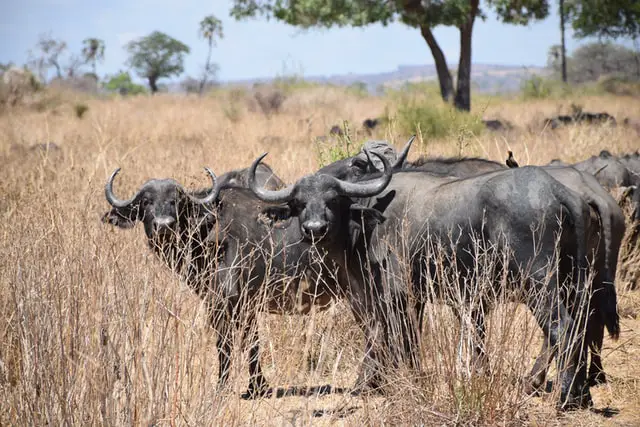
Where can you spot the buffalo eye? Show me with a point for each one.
(144, 202)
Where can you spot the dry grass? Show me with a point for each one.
(95, 331)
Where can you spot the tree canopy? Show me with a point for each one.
(156, 56)
(423, 15)
(605, 18)
(93, 52)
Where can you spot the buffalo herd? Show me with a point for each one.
(387, 236)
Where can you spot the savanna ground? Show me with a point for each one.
(96, 331)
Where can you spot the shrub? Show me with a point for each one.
(80, 109)
(16, 84)
(121, 83)
(436, 120)
(270, 101)
(616, 85)
(535, 87)
(337, 148)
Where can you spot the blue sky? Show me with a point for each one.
(257, 48)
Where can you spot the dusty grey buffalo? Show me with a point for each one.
(608, 231)
(499, 207)
(609, 172)
(202, 234)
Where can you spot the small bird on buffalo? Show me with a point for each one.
(511, 162)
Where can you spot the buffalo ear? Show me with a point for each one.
(369, 216)
(120, 217)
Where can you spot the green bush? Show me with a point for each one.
(617, 85)
(535, 87)
(435, 119)
(121, 83)
(80, 109)
(337, 148)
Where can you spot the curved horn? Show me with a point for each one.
(111, 198)
(403, 155)
(215, 190)
(277, 196)
(369, 188)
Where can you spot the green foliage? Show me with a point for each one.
(536, 87)
(359, 13)
(93, 51)
(121, 83)
(338, 148)
(80, 110)
(436, 119)
(156, 56)
(604, 18)
(211, 29)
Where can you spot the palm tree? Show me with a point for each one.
(210, 30)
(93, 51)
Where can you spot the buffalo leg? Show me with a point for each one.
(538, 375)
(369, 376)
(559, 328)
(258, 385)
(596, 370)
(220, 319)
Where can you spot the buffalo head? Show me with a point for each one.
(324, 204)
(159, 204)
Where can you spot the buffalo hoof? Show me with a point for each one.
(574, 403)
(597, 379)
(533, 387)
(370, 386)
(258, 387)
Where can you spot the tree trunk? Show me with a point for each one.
(636, 46)
(207, 66)
(563, 48)
(444, 76)
(462, 100)
(153, 84)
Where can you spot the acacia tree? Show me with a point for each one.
(424, 15)
(156, 56)
(47, 54)
(610, 19)
(605, 19)
(210, 30)
(93, 51)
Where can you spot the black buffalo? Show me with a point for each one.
(202, 234)
(499, 206)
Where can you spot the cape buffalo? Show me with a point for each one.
(202, 234)
(499, 206)
(606, 240)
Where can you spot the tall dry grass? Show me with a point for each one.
(97, 331)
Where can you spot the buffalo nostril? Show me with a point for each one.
(163, 223)
(317, 228)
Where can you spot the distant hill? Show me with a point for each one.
(484, 77)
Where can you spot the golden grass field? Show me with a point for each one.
(95, 330)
